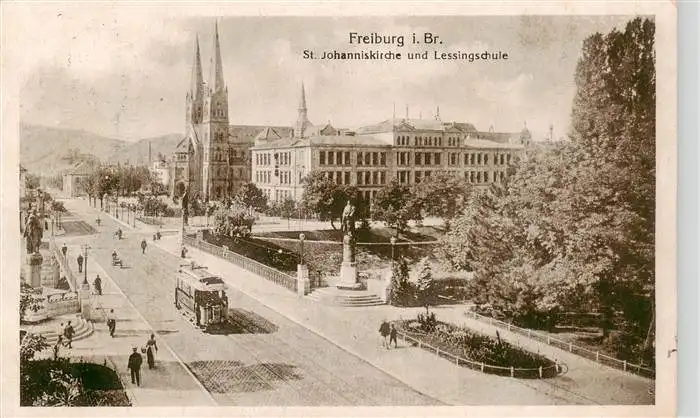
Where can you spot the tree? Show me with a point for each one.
(32, 181)
(324, 198)
(443, 194)
(251, 197)
(395, 205)
(573, 228)
(401, 289)
(232, 221)
(425, 285)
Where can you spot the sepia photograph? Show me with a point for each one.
(257, 209)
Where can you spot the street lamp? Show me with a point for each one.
(85, 248)
(393, 245)
(301, 250)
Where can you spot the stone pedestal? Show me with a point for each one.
(34, 262)
(85, 301)
(303, 282)
(50, 272)
(348, 268)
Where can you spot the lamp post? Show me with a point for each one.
(301, 249)
(393, 245)
(85, 249)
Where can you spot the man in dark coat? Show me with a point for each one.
(68, 333)
(384, 332)
(98, 285)
(80, 263)
(64, 250)
(135, 360)
(143, 246)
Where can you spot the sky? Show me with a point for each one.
(126, 76)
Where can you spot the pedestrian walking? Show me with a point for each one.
(183, 252)
(151, 350)
(143, 246)
(392, 336)
(68, 333)
(135, 361)
(384, 332)
(98, 285)
(61, 330)
(57, 346)
(80, 263)
(111, 322)
(64, 249)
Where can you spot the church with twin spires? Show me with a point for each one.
(214, 158)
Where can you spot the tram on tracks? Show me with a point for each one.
(201, 296)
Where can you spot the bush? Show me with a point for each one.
(462, 342)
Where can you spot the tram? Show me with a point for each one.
(201, 296)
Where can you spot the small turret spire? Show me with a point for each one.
(302, 98)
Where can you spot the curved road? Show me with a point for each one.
(277, 363)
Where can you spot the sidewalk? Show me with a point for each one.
(171, 383)
(355, 330)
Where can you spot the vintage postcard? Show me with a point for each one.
(359, 209)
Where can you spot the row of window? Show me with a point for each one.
(430, 141)
(343, 158)
(334, 158)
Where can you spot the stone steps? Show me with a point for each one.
(83, 329)
(349, 298)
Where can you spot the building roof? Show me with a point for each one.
(484, 143)
(323, 141)
(391, 125)
(247, 133)
(268, 134)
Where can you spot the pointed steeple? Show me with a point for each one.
(302, 98)
(437, 113)
(216, 76)
(197, 81)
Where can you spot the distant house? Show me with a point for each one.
(75, 179)
(22, 181)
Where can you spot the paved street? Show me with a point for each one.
(283, 364)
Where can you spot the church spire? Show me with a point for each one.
(216, 76)
(197, 81)
(302, 99)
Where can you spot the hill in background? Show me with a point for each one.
(136, 153)
(47, 151)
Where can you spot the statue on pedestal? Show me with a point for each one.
(348, 268)
(33, 232)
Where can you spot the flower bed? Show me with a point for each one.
(476, 351)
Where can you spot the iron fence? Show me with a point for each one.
(267, 272)
(596, 356)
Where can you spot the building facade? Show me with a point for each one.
(214, 158)
(407, 150)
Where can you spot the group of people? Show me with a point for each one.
(64, 331)
(389, 334)
(135, 359)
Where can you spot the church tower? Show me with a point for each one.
(215, 129)
(302, 124)
(193, 126)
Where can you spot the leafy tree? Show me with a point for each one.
(443, 194)
(324, 198)
(32, 181)
(402, 291)
(395, 205)
(425, 284)
(573, 228)
(251, 197)
(29, 299)
(232, 221)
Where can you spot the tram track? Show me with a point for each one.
(161, 267)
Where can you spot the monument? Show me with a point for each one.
(348, 268)
(33, 232)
